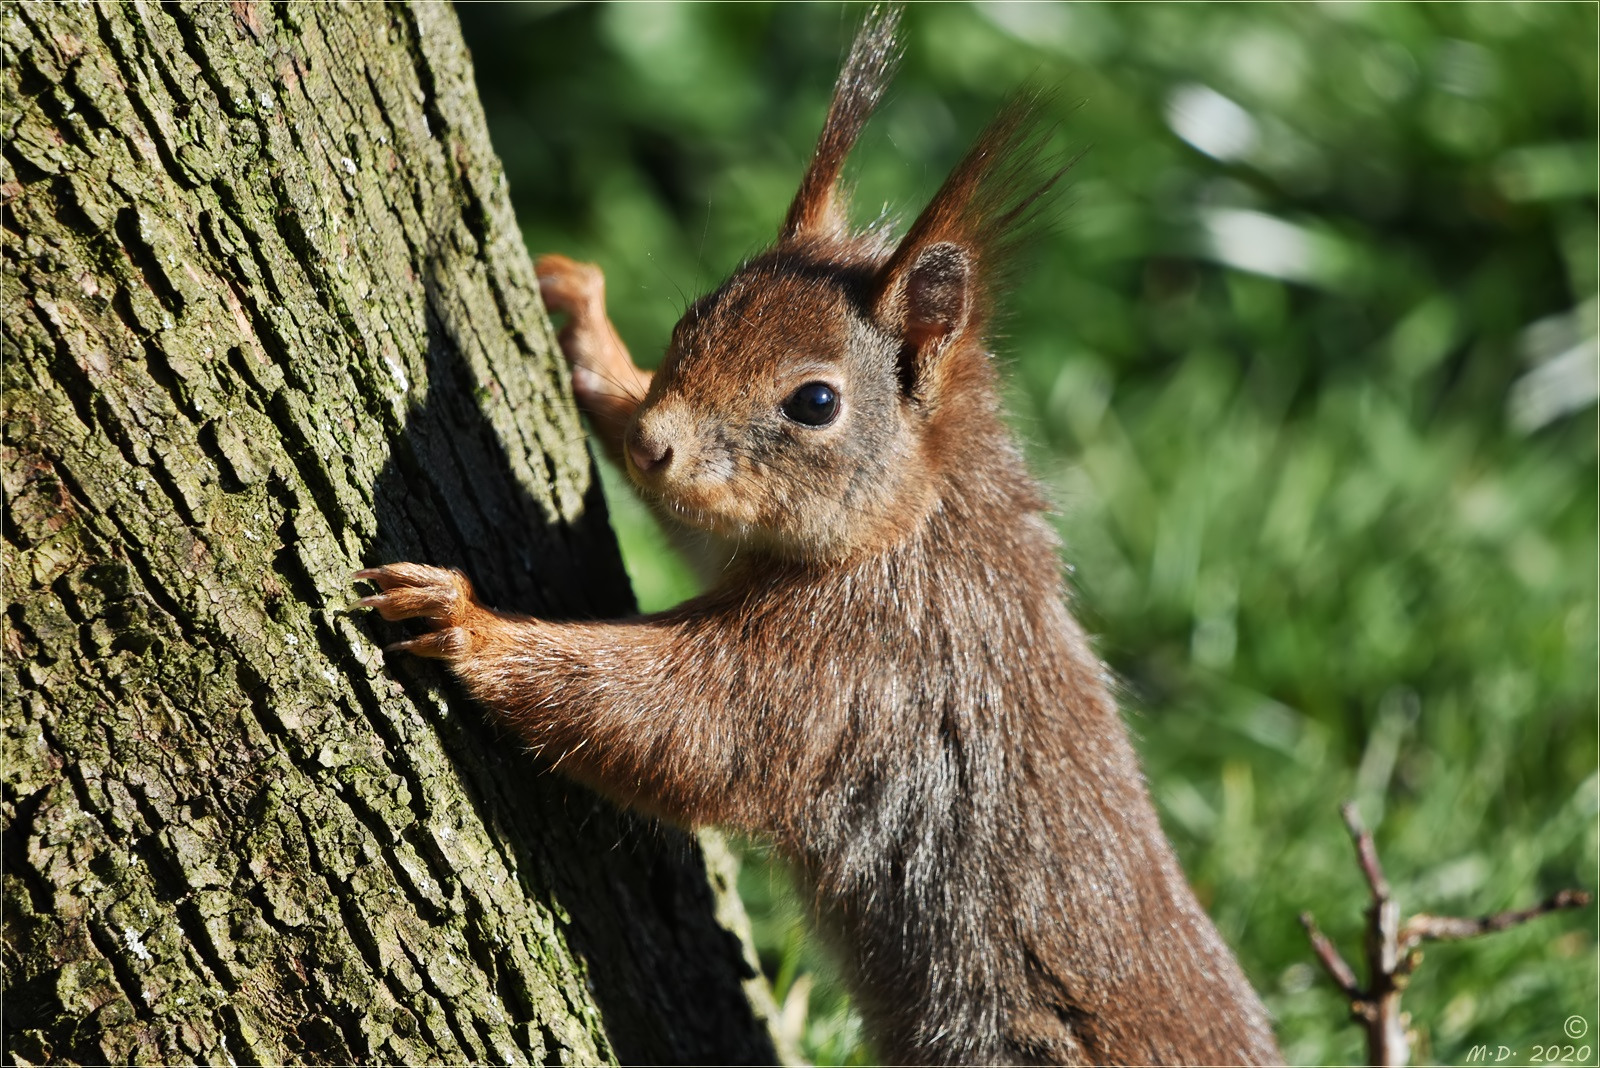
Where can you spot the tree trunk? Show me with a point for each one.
(268, 319)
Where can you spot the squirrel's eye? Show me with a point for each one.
(813, 404)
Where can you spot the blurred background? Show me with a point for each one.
(1306, 360)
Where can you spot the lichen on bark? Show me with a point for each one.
(268, 319)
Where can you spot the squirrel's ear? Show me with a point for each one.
(925, 299)
(935, 290)
(818, 209)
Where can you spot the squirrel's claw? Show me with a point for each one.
(435, 645)
(413, 602)
(391, 575)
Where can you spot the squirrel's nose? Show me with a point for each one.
(648, 454)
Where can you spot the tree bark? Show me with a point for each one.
(268, 319)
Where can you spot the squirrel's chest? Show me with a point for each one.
(893, 640)
(922, 602)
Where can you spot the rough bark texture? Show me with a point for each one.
(268, 319)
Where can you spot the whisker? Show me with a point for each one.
(683, 298)
(700, 253)
(623, 388)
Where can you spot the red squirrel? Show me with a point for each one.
(885, 683)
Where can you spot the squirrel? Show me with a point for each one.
(886, 683)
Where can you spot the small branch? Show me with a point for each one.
(1366, 852)
(1391, 948)
(1426, 928)
(1332, 962)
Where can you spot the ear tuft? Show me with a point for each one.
(818, 210)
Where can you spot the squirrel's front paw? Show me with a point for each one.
(569, 286)
(604, 379)
(439, 595)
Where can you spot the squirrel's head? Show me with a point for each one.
(811, 403)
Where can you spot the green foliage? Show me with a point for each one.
(1308, 365)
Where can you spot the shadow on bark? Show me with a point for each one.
(641, 910)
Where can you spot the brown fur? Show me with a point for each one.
(886, 684)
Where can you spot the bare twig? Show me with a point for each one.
(1333, 963)
(1392, 949)
(1426, 928)
(1366, 852)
